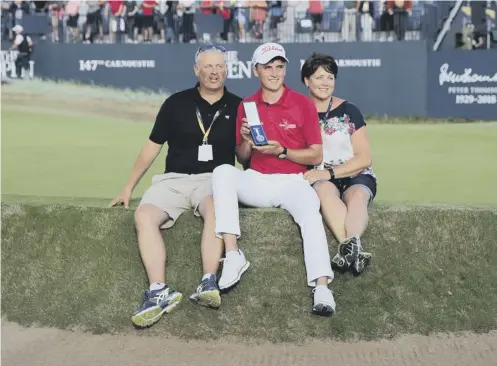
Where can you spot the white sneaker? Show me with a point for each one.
(324, 303)
(234, 265)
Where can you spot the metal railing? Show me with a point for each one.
(336, 23)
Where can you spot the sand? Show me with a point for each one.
(46, 346)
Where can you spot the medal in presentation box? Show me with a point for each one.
(256, 130)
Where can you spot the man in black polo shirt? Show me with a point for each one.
(199, 126)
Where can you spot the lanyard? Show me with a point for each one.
(323, 121)
(201, 125)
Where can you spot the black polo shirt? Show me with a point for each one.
(176, 123)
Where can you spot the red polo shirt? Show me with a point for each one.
(292, 121)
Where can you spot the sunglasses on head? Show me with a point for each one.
(210, 47)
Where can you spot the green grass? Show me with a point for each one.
(54, 155)
(58, 155)
(433, 271)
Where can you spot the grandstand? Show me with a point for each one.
(243, 21)
(384, 36)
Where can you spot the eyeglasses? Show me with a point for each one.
(209, 47)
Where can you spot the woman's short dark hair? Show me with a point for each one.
(314, 61)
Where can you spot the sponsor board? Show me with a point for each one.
(92, 65)
(387, 79)
(463, 84)
(8, 66)
(242, 68)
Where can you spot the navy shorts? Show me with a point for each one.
(365, 180)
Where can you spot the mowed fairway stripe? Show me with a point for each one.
(58, 155)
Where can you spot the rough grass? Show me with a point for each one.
(434, 271)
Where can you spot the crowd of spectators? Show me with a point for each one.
(239, 21)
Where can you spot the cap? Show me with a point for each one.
(266, 52)
(18, 28)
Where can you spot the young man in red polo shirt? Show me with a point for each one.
(275, 175)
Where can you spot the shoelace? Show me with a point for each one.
(349, 248)
(199, 287)
(160, 296)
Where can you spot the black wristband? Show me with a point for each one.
(332, 174)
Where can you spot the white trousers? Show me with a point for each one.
(349, 25)
(290, 192)
(367, 27)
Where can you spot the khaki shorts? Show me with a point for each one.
(176, 193)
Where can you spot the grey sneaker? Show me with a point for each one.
(351, 256)
(348, 251)
(362, 262)
(207, 293)
(338, 263)
(154, 305)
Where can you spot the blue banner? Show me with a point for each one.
(462, 84)
(371, 75)
(382, 79)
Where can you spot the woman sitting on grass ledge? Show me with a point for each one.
(345, 181)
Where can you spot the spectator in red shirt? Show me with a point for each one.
(226, 14)
(118, 11)
(207, 7)
(316, 9)
(400, 10)
(275, 174)
(148, 19)
(116, 7)
(218, 7)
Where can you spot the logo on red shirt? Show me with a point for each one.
(286, 126)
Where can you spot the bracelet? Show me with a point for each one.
(332, 173)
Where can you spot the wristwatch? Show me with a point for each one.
(283, 154)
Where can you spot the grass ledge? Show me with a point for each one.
(76, 265)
